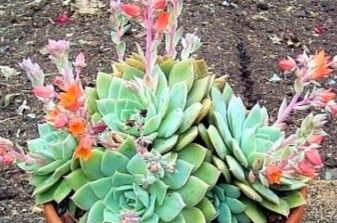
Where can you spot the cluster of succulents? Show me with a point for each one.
(162, 140)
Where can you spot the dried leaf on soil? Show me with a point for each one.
(91, 7)
(8, 72)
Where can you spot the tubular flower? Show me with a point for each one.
(44, 91)
(162, 22)
(84, 149)
(131, 10)
(274, 174)
(305, 168)
(320, 66)
(76, 126)
(286, 64)
(71, 98)
(327, 95)
(160, 4)
(313, 157)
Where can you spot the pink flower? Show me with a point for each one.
(313, 157)
(34, 72)
(160, 4)
(44, 91)
(8, 159)
(131, 10)
(316, 139)
(306, 168)
(62, 19)
(286, 64)
(61, 120)
(99, 128)
(80, 60)
(57, 48)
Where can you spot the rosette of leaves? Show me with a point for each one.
(241, 140)
(53, 150)
(166, 109)
(226, 199)
(126, 186)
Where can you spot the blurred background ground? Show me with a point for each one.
(242, 39)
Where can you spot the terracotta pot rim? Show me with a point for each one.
(296, 215)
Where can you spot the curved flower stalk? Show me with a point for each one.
(163, 113)
(244, 145)
(144, 187)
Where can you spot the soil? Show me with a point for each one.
(242, 39)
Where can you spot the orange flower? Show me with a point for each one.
(84, 148)
(76, 126)
(162, 22)
(327, 95)
(320, 66)
(274, 174)
(71, 98)
(131, 10)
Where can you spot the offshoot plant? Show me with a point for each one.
(160, 139)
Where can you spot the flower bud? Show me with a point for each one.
(313, 157)
(286, 64)
(131, 10)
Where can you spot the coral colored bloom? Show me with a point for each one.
(327, 95)
(44, 91)
(84, 149)
(160, 4)
(162, 22)
(76, 126)
(320, 66)
(131, 10)
(313, 157)
(306, 168)
(274, 174)
(286, 64)
(71, 98)
(62, 19)
(316, 139)
(60, 120)
(8, 159)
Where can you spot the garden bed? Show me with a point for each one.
(243, 40)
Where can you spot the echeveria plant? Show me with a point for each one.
(161, 140)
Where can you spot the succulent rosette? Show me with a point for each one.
(127, 186)
(52, 153)
(244, 145)
(166, 107)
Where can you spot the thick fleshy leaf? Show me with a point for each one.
(103, 83)
(96, 212)
(236, 169)
(208, 173)
(113, 161)
(198, 90)
(193, 191)
(193, 215)
(295, 199)
(92, 167)
(207, 208)
(178, 96)
(171, 123)
(283, 208)
(266, 193)
(62, 191)
(217, 142)
(231, 191)
(235, 205)
(171, 207)
(190, 115)
(225, 215)
(236, 117)
(76, 179)
(194, 154)
(249, 191)
(165, 145)
(239, 155)
(159, 189)
(180, 176)
(253, 212)
(223, 168)
(186, 138)
(85, 197)
(182, 71)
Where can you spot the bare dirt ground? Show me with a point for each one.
(242, 39)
